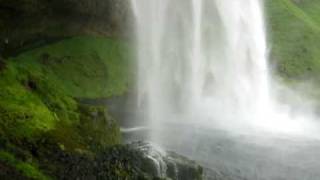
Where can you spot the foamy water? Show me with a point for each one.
(206, 62)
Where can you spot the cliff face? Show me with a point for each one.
(54, 53)
(31, 23)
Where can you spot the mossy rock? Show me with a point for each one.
(96, 130)
(16, 169)
(84, 67)
(39, 86)
(98, 127)
(31, 103)
(40, 120)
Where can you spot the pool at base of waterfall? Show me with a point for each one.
(226, 155)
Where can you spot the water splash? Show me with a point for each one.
(205, 62)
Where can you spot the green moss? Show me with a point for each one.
(26, 169)
(30, 171)
(98, 127)
(31, 103)
(96, 130)
(22, 112)
(7, 157)
(39, 115)
(295, 34)
(38, 86)
(87, 67)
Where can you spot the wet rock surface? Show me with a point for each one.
(138, 160)
(168, 164)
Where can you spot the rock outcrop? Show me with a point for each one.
(27, 24)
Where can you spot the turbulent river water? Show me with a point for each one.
(205, 90)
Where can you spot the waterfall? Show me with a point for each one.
(205, 62)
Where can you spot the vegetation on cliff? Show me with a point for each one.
(39, 86)
(55, 52)
(295, 38)
(39, 115)
(48, 132)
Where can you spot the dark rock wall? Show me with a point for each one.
(27, 24)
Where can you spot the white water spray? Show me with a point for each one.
(205, 62)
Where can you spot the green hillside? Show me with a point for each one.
(295, 37)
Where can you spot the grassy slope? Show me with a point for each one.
(37, 102)
(38, 86)
(88, 67)
(295, 34)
